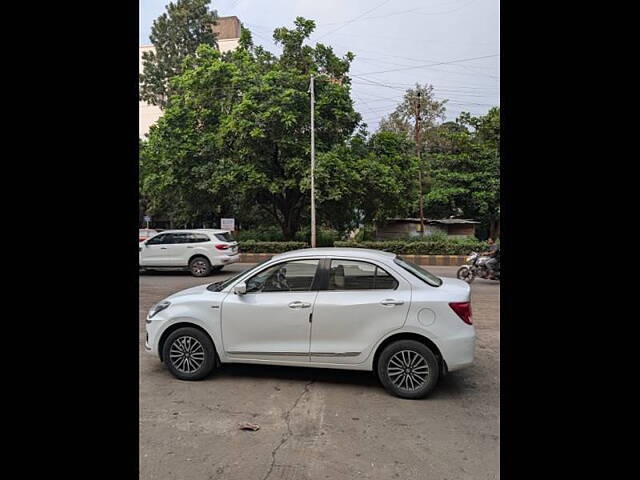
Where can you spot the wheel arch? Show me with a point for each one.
(198, 255)
(409, 336)
(181, 324)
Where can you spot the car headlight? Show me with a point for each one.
(158, 307)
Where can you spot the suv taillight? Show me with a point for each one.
(463, 309)
(222, 247)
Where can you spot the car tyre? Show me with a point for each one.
(466, 274)
(200, 267)
(189, 354)
(408, 369)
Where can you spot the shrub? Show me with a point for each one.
(270, 234)
(324, 238)
(252, 246)
(448, 247)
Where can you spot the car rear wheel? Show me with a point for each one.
(200, 267)
(408, 369)
(189, 354)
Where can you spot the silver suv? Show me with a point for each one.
(200, 251)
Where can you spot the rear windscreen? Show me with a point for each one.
(225, 237)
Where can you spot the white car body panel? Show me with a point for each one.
(347, 327)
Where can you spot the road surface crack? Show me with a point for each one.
(289, 433)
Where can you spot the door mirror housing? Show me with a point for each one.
(240, 288)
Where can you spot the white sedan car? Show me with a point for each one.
(353, 309)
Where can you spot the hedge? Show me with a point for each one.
(252, 246)
(421, 248)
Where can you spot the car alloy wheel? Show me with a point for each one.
(408, 370)
(200, 267)
(186, 354)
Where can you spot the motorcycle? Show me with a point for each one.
(477, 267)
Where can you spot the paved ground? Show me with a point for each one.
(319, 424)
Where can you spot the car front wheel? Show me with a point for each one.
(189, 354)
(408, 369)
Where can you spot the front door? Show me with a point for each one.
(272, 320)
(363, 302)
(155, 251)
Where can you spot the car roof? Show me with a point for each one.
(338, 252)
(197, 230)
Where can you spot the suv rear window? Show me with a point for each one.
(225, 237)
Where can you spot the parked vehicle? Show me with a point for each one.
(343, 308)
(477, 267)
(200, 251)
(145, 233)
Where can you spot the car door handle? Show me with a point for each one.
(299, 305)
(190, 246)
(163, 248)
(390, 302)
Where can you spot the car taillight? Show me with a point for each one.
(463, 309)
(222, 247)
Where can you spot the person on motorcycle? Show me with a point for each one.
(494, 252)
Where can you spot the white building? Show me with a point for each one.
(228, 38)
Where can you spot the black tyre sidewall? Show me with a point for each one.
(416, 346)
(207, 345)
(206, 260)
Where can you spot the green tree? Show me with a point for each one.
(238, 126)
(367, 180)
(175, 35)
(465, 169)
(421, 100)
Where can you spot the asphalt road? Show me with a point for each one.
(317, 423)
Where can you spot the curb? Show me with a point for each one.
(436, 260)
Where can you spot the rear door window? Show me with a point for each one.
(355, 275)
(198, 238)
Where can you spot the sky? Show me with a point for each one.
(453, 45)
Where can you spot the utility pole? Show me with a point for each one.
(418, 148)
(313, 167)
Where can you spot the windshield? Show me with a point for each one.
(419, 272)
(221, 285)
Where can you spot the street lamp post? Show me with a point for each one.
(313, 166)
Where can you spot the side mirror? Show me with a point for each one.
(240, 289)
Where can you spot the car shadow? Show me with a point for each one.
(452, 385)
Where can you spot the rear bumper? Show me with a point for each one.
(227, 259)
(459, 352)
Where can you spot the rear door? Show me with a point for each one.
(362, 303)
(196, 244)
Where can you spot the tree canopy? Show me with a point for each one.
(234, 138)
(239, 123)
